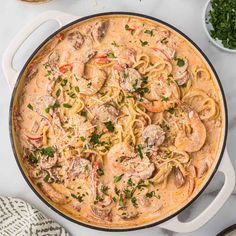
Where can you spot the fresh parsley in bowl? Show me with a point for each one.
(220, 23)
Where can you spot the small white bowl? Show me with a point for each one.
(208, 27)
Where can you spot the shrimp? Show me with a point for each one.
(162, 95)
(196, 139)
(92, 80)
(124, 159)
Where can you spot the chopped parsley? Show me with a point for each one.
(128, 193)
(30, 107)
(104, 189)
(142, 91)
(134, 202)
(150, 194)
(95, 138)
(83, 113)
(164, 40)
(121, 201)
(114, 44)
(143, 43)
(32, 159)
(109, 126)
(78, 197)
(223, 21)
(150, 32)
(130, 182)
(180, 62)
(77, 90)
(111, 55)
(48, 151)
(89, 84)
(53, 106)
(171, 110)
(140, 151)
(46, 178)
(164, 99)
(58, 92)
(118, 178)
(100, 171)
(127, 27)
(67, 105)
(64, 82)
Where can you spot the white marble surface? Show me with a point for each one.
(184, 14)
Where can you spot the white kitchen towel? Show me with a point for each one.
(18, 218)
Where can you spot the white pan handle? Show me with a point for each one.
(183, 227)
(7, 60)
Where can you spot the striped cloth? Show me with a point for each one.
(18, 218)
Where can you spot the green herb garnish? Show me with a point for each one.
(100, 171)
(109, 126)
(58, 92)
(118, 178)
(46, 178)
(140, 151)
(150, 194)
(95, 138)
(164, 99)
(180, 62)
(111, 55)
(134, 202)
(223, 20)
(150, 32)
(30, 107)
(143, 43)
(67, 105)
(79, 197)
(171, 110)
(114, 44)
(48, 151)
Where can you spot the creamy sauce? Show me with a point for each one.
(119, 121)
